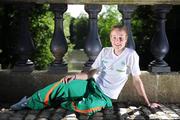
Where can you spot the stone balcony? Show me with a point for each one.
(162, 88)
(24, 80)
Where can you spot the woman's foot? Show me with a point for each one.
(20, 105)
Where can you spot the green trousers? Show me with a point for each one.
(82, 96)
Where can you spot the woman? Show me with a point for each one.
(89, 92)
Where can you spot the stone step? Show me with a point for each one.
(119, 112)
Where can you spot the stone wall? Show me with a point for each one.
(162, 88)
(159, 88)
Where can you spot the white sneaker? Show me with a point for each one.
(20, 105)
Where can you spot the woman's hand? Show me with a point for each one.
(154, 105)
(68, 78)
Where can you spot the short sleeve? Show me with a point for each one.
(97, 63)
(133, 64)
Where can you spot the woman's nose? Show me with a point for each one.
(117, 41)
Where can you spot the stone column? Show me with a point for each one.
(25, 46)
(58, 43)
(127, 11)
(0, 43)
(0, 53)
(93, 44)
(159, 44)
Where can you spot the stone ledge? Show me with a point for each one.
(162, 88)
(121, 111)
(135, 2)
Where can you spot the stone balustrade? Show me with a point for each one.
(25, 46)
(135, 2)
(17, 82)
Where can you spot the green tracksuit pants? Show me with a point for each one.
(82, 96)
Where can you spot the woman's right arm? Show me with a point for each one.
(81, 76)
(86, 75)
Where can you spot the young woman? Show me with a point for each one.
(89, 92)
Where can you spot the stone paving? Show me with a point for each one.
(121, 111)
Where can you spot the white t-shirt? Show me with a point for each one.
(114, 70)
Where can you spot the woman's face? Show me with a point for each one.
(118, 39)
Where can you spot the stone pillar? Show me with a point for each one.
(0, 53)
(0, 43)
(58, 43)
(93, 44)
(25, 45)
(159, 44)
(127, 11)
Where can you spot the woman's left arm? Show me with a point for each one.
(137, 82)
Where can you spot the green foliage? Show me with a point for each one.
(79, 31)
(66, 22)
(42, 27)
(42, 30)
(105, 21)
(142, 28)
(8, 35)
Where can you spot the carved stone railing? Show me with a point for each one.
(159, 45)
(127, 11)
(93, 44)
(25, 45)
(135, 2)
(58, 43)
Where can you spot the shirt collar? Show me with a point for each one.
(114, 55)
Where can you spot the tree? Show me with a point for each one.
(42, 27)
(79, 27)
(8, 35)
(42, 30)
(79, 31)
(142, 27)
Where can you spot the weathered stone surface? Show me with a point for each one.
(169, 111)
(18, 85)
(30, 117)
(99, 114)
(42, 118)
(158, 86)
(45, 114)
(83, 117)
(4, 116)
(140, 2)
(175, 108)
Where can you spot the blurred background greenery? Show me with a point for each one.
(75, 29)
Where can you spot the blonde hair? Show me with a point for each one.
(120, 27)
